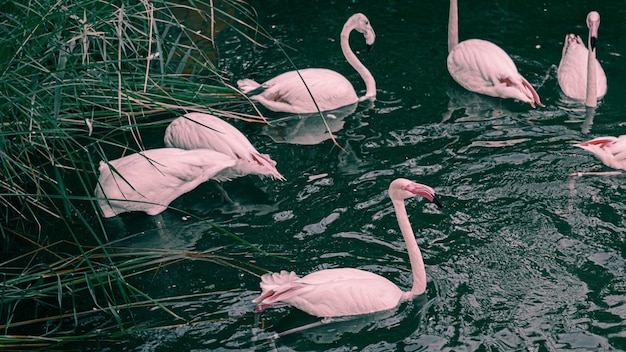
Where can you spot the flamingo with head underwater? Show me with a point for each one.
(579, 74)
(611, 150)
(483, 67)
(317, 89)
(346, 291)
(149, 181)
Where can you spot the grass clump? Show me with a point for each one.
(111, 294)
(82, 81)
(80, 78)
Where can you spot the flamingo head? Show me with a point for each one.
(593, 23)
(402, 188)
(361, 24)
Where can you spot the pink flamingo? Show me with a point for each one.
(150, 180)
(291, 91)
(580, 75)
(611, 150)
(483, 67)
(346, 291)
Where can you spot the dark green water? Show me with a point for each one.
(520, 257)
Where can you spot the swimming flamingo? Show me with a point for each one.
(346, 291)
(611, 150)
(483, 67)
(150, 180)
(205, 131)
(287, 92)
(579, 68)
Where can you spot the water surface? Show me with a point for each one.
(520, 257)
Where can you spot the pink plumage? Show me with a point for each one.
(150, 180)
(204, 131)
(580, 74)
(611, 150)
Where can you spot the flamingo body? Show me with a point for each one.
(575, 76)
(346, 291)
(611, 150)
(150, 180)
(288, 92)
(572, 71)
(481, 66)
(204, 131)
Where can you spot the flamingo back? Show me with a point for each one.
(204, 131)
(288, 92)
(331, 292)
(483, 67)
(149, 181)
(572, 70)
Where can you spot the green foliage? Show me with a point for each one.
(103, 276)
(80, 78)
(81, 81)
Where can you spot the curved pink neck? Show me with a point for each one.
(415, 255)
(370, 83)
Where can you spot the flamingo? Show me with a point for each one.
(149, 181)
(611, 150)
(580, 75)
(483, 67)
(293, 91)
(346, 291)
(205, 131)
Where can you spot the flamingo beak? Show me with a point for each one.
(369, 47)
(436, 201)
(422, 191)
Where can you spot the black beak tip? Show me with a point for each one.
(437, 202)
(369, 47)
(592, 42)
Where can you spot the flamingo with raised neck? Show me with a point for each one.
(579, 74)
(317, 89)
(348, 291)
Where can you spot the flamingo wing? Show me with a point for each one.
(190, 166)
(204, 131)
(572, 70)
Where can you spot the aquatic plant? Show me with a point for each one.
(83, 81)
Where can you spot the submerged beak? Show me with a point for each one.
(369, 47)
